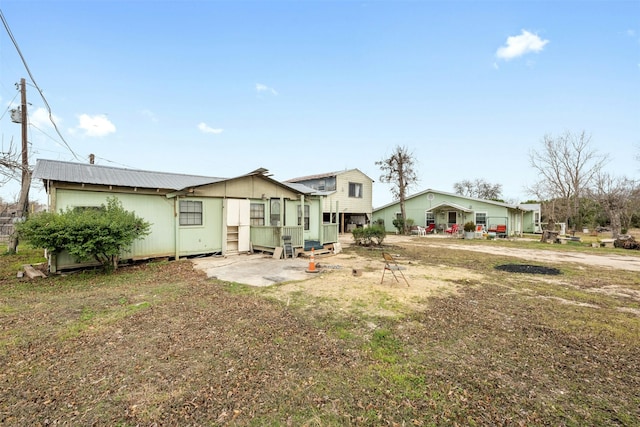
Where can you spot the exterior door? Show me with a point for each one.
(452, 218)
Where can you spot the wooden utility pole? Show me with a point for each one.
(23, 202)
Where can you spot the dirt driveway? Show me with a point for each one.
(618, 262)
(263, 270)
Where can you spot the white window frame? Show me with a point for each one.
(257, 220)
(486, 217)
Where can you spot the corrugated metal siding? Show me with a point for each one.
(157, 210)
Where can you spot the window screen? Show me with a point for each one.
(190, 212)
(257, 214)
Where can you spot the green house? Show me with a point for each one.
(444, 210)
(189, 214)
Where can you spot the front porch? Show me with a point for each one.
(268, 238)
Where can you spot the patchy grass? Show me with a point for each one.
(11, 264)
(159, 344)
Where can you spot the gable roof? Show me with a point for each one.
(451, 205)
(299, 188)
(491, 202)
(324, 175)
(83, 173)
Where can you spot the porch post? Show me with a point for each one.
(176, 225)
(321, 225)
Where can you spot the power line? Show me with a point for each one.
(26, 66)
(9, 104)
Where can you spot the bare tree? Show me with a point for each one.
(10, 164)
(567, 166)
(618, 198)
(399, 170)
(12, 167)
(479, 189)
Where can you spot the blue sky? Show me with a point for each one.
(220, 88)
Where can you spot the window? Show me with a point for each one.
(190, 212)
(88, 208)
(306, 216)
(257, 214)
(429, 218)
(275, 213)
(355, 190)
(481, 219)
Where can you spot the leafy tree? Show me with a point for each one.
(479, 189)
(399, 170)
(100, 234)
(567, 166)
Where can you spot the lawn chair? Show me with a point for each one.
(431, 228)
(453, 230)
(422, 231)
(391, 265)
(479, 231)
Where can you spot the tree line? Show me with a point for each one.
(573, 187)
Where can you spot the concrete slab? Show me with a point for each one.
(253, 269)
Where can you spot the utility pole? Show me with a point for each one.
(23, 203)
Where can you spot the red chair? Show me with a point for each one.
(452, 230)
(431, 228)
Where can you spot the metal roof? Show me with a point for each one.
(55, 170)
(323, 175)
(430, 190)
(301, 188)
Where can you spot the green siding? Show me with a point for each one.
(205, 238)
(417, 206)
(157, 210)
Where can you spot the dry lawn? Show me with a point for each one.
(463, 344)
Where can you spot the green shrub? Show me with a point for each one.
(99, 234)
(369, 236)
(469, 226)
(398, 223)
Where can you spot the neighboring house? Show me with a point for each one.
(349, 197)
(446, 209)
(192, 215)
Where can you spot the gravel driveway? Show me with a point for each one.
(614, 261)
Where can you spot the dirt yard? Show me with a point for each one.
(350, 281)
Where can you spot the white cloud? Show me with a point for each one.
(204, 128)
(98, 125)
(150, 115)
(40, 118)
(520, 45)
(264, 88)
